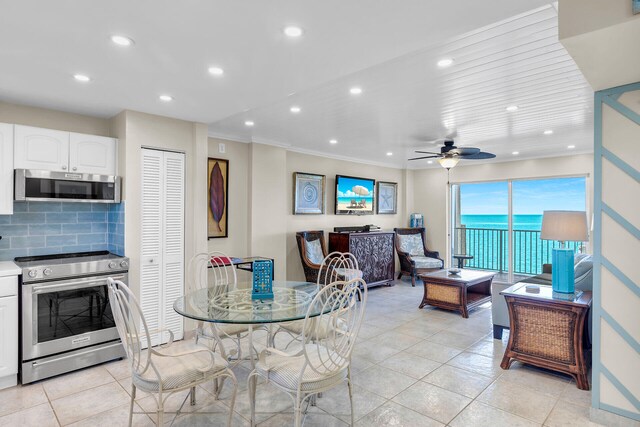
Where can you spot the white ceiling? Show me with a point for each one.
(388, 48)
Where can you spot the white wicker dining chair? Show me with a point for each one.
(337, 266)
(323, 363)
(224, 279)
(162, 370)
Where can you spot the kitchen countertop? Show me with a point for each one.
(9, 268)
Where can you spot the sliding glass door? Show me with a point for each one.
(498, 223)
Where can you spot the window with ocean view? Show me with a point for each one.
(482, 227)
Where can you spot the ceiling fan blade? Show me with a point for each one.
(425, 157)
(426, 152)
(480, 156)
(464, 151)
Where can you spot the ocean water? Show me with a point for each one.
(487, 239)
(520, 222)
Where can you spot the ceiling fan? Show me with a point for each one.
(450, 155)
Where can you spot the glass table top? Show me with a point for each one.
(220, 305)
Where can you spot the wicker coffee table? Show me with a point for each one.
(460, 292)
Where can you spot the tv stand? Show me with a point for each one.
(373, 250)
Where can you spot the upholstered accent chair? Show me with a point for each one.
(313, 251)
(415, 257)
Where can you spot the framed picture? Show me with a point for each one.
(387, 197)
(218, 198)
(308, 193)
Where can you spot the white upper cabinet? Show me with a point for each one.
(37, 148)
(46, 149)
(6, 169)
(92, 154)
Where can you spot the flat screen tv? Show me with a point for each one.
(354, 196)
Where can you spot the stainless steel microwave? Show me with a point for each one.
(42, 185)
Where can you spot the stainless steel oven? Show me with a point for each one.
(41, 185)
(66, 322)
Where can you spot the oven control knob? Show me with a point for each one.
(47, 271)
(124, 264)
(113, 264)
(32, 273)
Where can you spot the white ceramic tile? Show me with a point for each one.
(518, 400)
(382, 381)
(40, 416)
(74, 382)
(479, 414)
(434, 402)
(16, 398)
(393, 414)
(458, 380)
(430, 350)
(115, 417)
(565, 414)
(336, 402)
(410, 364)
(76, 407)
(477, 363)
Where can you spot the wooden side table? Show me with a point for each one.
(548, 332)
(459, 292)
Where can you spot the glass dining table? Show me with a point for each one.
(219, 304)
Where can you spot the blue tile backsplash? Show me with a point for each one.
(43, 228)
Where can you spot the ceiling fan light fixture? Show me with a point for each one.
(448, 162)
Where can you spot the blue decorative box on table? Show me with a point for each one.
(262, 282)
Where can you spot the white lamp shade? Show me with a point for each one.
(448, 162)
(565, 226)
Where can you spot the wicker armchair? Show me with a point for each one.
(311, 254)
(415, 258)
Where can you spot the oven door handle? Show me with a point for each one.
(69, 286)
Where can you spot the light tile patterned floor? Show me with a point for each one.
(411, 367)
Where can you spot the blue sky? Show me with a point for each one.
(347, 184)
(530, 197)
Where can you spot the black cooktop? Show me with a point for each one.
(59, 256)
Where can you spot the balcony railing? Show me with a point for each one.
(490, 249)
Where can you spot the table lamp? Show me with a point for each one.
(563, 226)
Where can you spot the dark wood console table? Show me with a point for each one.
(374, 252)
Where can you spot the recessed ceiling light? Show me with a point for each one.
(295, 109)
(81, 78)
(216, 71)
(121, 40)
(571, 147)
(333, 141)
(355, 90)
(515, 153)
(548, 132)
(389, 153)
(249, 123)
(430, 162)
(445, 62)
(166, 98)
(512, 108)
(292, 31)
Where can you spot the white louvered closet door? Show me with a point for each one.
(162, 247)
(173, 228)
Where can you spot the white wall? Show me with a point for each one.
(237, 244)
(297, 162)
(430, 196)
(137, 130)
(602, 37)
(52, 119)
